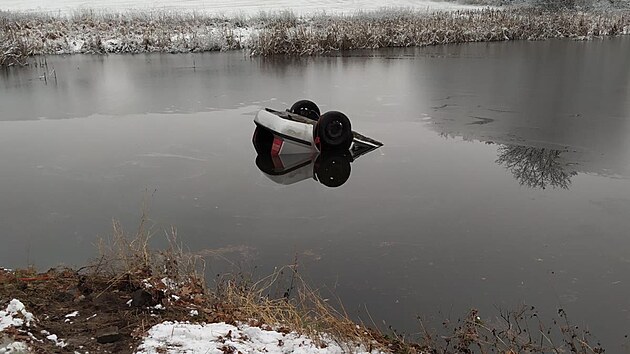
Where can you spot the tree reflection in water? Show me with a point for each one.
(535, 167)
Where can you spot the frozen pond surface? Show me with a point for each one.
(435, 222)
(228, 7)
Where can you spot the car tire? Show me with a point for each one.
(333, 131)
(333, 169)
(306, 108)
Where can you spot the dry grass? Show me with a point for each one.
(517, 331)
(14, 50)
(294, 306)
(287, 34)
(127, 257)
(399, 29)
(101, 32)
(270, 302)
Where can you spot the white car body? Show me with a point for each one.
(291, 136)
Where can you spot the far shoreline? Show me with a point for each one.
(27, 35)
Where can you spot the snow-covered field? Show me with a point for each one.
(227, 7)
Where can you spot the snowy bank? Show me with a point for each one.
(220, 338)
(96, 314)
(24, 34)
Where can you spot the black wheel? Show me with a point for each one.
(262, 139)
(332, 170)
(333, 132)
(306, 108)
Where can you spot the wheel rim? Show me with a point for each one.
(308, 113)
(334, 130)
(306, 109)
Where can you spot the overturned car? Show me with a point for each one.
(301, 143)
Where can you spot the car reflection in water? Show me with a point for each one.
(330, 168)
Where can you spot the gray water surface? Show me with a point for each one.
(503, 179)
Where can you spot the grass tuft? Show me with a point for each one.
(14, 50)
(284, 301)
(128, 257)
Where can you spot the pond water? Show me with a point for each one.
(504, 178)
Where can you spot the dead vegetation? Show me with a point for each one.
(91, 32)
(408, 29)
(514, 331)
(14, 50)
(284, 33)
(175, 278)
(285, 302)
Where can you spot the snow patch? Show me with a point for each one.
(15, 347)
(15, 315)
(58, 342)
(218, 338)
(169, 283)
(70, 316)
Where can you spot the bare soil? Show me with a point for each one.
(105, 312)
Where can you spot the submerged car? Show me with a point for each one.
(301, 129)
(300, 144)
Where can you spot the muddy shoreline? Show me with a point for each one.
(79, 311)
(73, 311)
